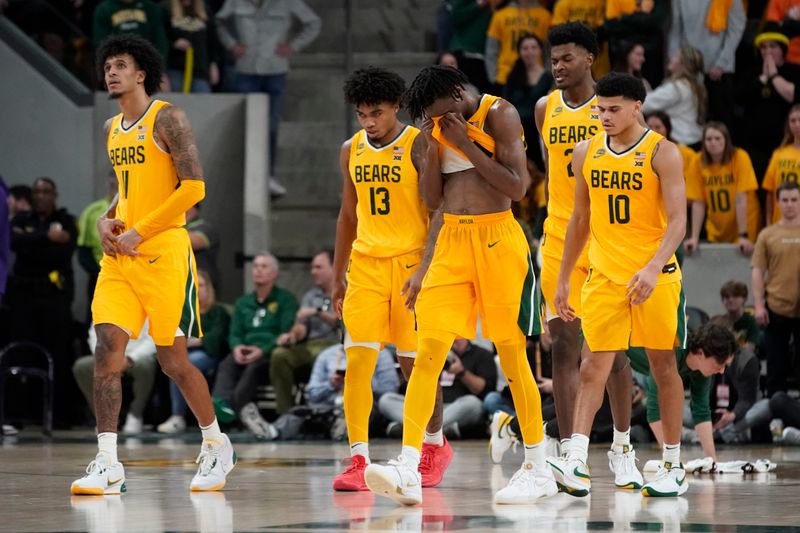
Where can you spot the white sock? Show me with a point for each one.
(578, 447)
(622, 440)
(212, 432)
(107, 445)
(672, 453)
(434, 438)
(360, 448)
(411, 455)
(534, 453)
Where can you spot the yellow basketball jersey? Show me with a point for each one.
(392, 220)
(627, 219)
(784, 166)
(145, 173)
(564, 127)
(717, 185)
(590, 12)
(508, 25)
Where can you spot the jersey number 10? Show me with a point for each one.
(619, 209)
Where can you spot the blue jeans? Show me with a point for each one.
(274, 85)
(494, 401)
(205, 364)
(176, 82)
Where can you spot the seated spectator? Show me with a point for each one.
(630, 60)
(784, 164)
(469, 374)
(721, 185)
(682, 96)
(259, 318)
(316, 327)
(639, 22)
(766, 98)
(205, 243)
(141, 366)
(20, 200)
(204, 353)
(528, 81)
(777, 300)
(508, 23)
(710, 350)
(449, 59)
(469, 20)
(191, 31)
(734, 296)
(787, 410)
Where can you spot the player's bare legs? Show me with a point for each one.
(174, 361)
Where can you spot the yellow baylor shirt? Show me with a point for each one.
(392, 220)
(508, 25)
(590, 12)
(564, 127)
(784, 166)
(717, 185)
(627, 218)
(145, 173)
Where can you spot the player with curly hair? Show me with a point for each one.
(380, 250)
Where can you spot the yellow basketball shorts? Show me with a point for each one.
(160, 284)
(482, 264)
(374, 311)
(552, 253)
(611, 323)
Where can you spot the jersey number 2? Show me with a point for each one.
(379, 200)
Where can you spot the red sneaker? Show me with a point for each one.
(433, 461)
(353, 477)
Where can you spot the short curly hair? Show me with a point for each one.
(621, 84)
(715, 340)
(144, 54)
(373, 86)
(576, 33)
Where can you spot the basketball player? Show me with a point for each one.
(630, 196)
(148, 269)
(380, 241)
(565, 117)
(475, 167)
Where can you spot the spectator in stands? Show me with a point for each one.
(191, 31)
(446, 59)
(787, 14)
(469, 374)
(682, 96)
(777, 301)
(141, 366)
(316, 327)
(528, 81)
(40, 288)
(20, 200)
(259, 318)
(642, 23)
(518, 18)
(738, 385)
(766, 98)
(90, 251)
(659, 122)
(142, 17)
(204, 353)
(257, 35)
(590, 12)
(784, 164)
(205, 243)
(470, 21)
(787, 409)
(630, 59)
(721, 184)
(715, 28)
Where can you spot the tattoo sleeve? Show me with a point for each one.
(174, 130)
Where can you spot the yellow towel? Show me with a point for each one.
(483, 140)
(717, 18)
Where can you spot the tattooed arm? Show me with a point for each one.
(173, 134)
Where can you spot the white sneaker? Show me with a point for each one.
(216, 459)
(398, 481)
(552, 447)
(251, 417)
(623, 466)
(173, 424)
(101, 478)
(572, 475)
(528, 485)
(501, 439)
(791, 436)
(133, 425)
(669, 481)
(9, 430)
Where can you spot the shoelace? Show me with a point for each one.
(353, 465)
(627, 466)
(520, 478)
(95, 467)
(207, 459)
(426, 462)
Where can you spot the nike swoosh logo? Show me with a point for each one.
(411, 265)
(580, 474)
(151, 261)
(492, 244)
(115, 481)
(359, 153)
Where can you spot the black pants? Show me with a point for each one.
(777, 338)
(237, 384)
(721, 100)
(785, 408)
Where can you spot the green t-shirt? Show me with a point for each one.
(87, 227)
(260, 323)
(699, 385)
(746, 330)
